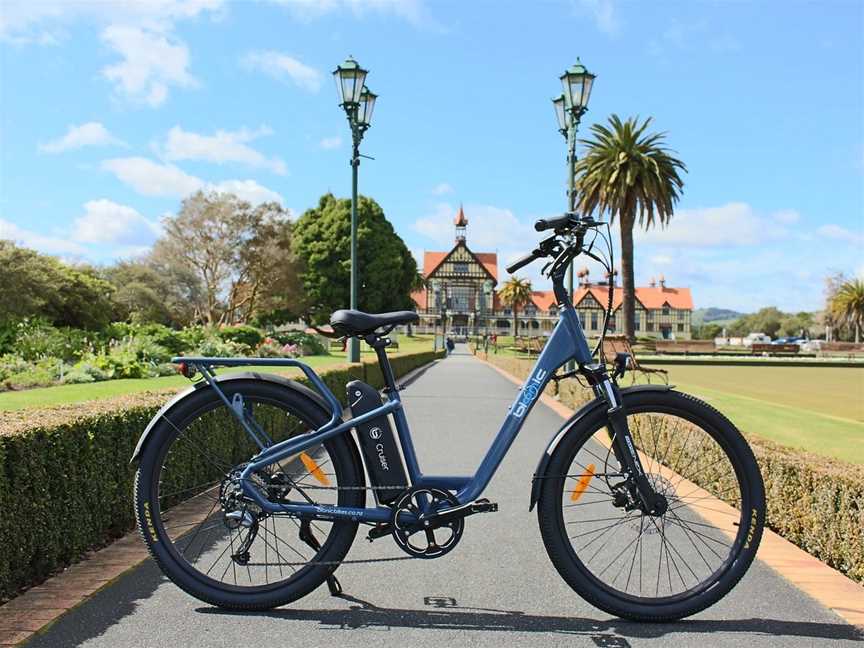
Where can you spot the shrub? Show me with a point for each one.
(310, 344)
(171, 340)
(37, 339)
(242, 334)
(66, 481)
(214, 347)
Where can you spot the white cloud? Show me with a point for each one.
(603, 13)
(412, 11)
(89, 134)
(731, 224)
(838, 233)
(29, 21)
(281, 66)
(221, 147)
(786, 216)
(661, 259)
(105, 221)
(442, 189)
(248, 190)
(151, 62)
(38, 241)
(330, 143)
(489, 227)
(151, 178)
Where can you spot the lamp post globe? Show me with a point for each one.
(577, 82)
(350, 79)
(367, 105)
(561, 114)
(358, 103)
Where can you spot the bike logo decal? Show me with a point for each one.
(375, 433)
(382, 457)
(529, 393)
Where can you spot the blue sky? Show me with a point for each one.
(111, 113)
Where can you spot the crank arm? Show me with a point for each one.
(457, 512)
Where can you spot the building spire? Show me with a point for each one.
(461, 224)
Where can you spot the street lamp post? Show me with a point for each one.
(569, 106)
(358, 102)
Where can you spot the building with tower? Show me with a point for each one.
(461, 294)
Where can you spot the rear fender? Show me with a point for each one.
(228, 378)
(572, 425)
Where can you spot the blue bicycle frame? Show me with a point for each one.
(566, 342)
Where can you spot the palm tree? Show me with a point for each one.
(516, 293)
(629, 174)
(847, 305)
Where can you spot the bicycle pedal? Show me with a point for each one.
(484, 506)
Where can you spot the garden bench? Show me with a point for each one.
(685, 346)
(774, 348)
(615, 344)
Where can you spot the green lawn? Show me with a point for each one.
(60, 394)
(820, 409)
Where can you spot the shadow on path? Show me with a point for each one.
(366, 615)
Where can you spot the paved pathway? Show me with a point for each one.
(499, 587)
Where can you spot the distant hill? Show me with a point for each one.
(718, 315)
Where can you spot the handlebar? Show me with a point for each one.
(560, 222)
(523, 261)
(570, 224)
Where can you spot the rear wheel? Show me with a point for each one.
(199, 526)
(686, 555)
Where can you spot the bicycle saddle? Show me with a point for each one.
(353, 322)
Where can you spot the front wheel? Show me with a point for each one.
(677, 560)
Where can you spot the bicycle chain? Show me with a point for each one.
(338, 563)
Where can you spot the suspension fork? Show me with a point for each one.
(622, 441)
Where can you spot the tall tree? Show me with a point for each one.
(147, 291)
(847, 306)
(628, 174)
(37, 285)
(516, 293)
(322, 242)
(234, 251)
(206, 236)
(266, 278)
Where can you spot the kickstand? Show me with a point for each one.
(306, 536)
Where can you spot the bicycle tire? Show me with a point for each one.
(347, 469)
(574, 569)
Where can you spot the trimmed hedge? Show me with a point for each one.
(66, 480)
(813, 501)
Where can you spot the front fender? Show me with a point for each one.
(248, 375)
(572, 422)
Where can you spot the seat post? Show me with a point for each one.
(380, 345)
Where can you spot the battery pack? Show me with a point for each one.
(377, 442)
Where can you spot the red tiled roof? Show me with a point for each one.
(650, 298)
(432, 260)
(543, 299)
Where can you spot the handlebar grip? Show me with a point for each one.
(521, 263)
(552, 223)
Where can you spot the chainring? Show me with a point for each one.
(419, 501)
